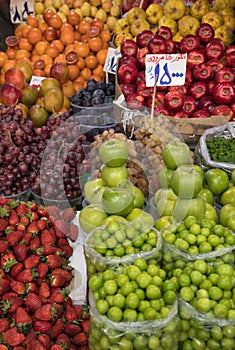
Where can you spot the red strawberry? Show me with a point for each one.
(21, 226)
(33, 228)
(3, 201)
(66, 248)
(16, 269)
(13, 218)
(41, 326)
(3, 246)
(54, 261)
(50, 249)
(8, 259)
(69, 214)
(73, 232)
(33, 302)
(61, 228)
(11, 302)
(53, 211)
(32, 261)
(14, 237)
(22, 209)
(57, 347)
(66, 274)
(83, 347)
(57, 328)
(80, 339)
(44, 290)
(13, 337)
(72, 329)
(34, 216)
(27, 275)
(70, 313)
(32, 287)
(21, 252)
(85, 326)
(18, 287)
(19, 347)
(42, 223)
(42, 211)
(24, 220)
(42, 270)
(36, 344)
(57, 280)
(82, 311)
(48, 237)
(34, 243)
(46, 312)
(23, 320)
(4, 324)
(45, 339)
(63, 340)
(3, 224)
(58, 295)
(27, 238)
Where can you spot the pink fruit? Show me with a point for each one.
(10, 94)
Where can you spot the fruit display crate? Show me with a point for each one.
(191, 129)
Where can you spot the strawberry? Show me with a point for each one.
(4, 324)
(80, 339)
(54, 261)
(24, 220)
(66, 248)
(50, 249)
(13, 337)
(57, 280)
(18, 287)
(8, 259)
(73, 232)
(34, 216)
(69, 214)
(21, 227)
(82, 311)
(13, 218)
(14, 237)
(70, 313)
(42, 211)
(85, 326)
(63, 340)
(66, 274)
(83, 347)
(34, 243)
(58, 295)
(21, 252)
(45, 339)
(27, 238)
(31, 287)
(48, 237)
(33, 302)
(46, 312)
(33, 228)
(27, 275)
(23, 320)
(44, 290)
(57, 347)
(41, 326)
(53, 210)
(22, 209)
(42, 270)
(3, 224)
(16, 269)
(18, 347)
(3, 246)
(36, 344)
(10, 303)
(32, 261)
(57, 328)
(61, 228)
(3, 201)
(32, 206)
(72, 329)
(42, 223)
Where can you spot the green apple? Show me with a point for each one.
(96, 197)
(164, 176)
(189, 207)
(186, 182)
(228, 196)
(164, 221)
(225, 212)
(231, 223)
(176, 153)
(197, 168)
(112, 218)
(113, 153)
(166, 193)
(207, 195)
(210, 213)
(139, 198)
(165, 207)
(216, 180)
(91, 217)
(113, 176)
(117, 201)
(140, 215)
(91, 186)
(233, 177)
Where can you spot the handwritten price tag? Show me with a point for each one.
(168, 68)
(20, 9)
(111, 60)
(36, 81)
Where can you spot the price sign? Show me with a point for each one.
(111, 60)
(36, 81)
(168, 68)
(20, 9)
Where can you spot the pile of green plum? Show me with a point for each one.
(121, 242)
(132, 299)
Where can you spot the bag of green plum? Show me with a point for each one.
(120, 243)
(131, 309)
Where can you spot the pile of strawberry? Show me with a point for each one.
(36, 311)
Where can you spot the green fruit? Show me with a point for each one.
(228, 196)
(38, 115)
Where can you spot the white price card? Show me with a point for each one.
(36, 81)
(111, 60)
(168, 69)
(20, 9)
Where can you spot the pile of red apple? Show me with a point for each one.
(209, 85)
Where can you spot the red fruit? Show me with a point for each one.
(70, 313)
(15, 77)
(42, 326)
(4, 324)
(141, 55)
(170, 46)
(143, 38)
(127, 73)
(224, 93)
(135, 101)
(3, 246)
(85, 326)
(61, 228)
(10, 94)
(44, 290)
(34, 243)
(50, 34)
(8, 259)
(16, 269)
(48, 249)
(54, 261)
(33, 302)
(45, 339)
(141, 77)
(216, 64)
(21, 226)
(206, 102)
(173, 101)
(157, 45)
(223, 110)
(13, 218)
(27, 275)
(21, 252)
(69, 214)
(59, 71)
(24, 220)
(4, 286)
(214, 49)
(32, 261)
(72, 329)
(165, 32)
(203, 72)
(144, 90)
(26, 239)
(198, 90)
(18, 287)
(190, 105)
(230, 59)
(22, 209)
(57, 280)
(46, 312)
(201, 113)
(57, 328)
(128, 48)
(195, 57)
(73, 232)
(57, 347)
(182, 89)
(128, 88)
(80, 339)
(225, 74)
(42, 224)
(13, 337)
(65, 273)
(42, 211)
(42, 270)
(53, 210)
(188, 77)
(63, 339)
(48, 237)
(3, 224)
(189, 43)
(205, 33)
(23, 320)
(33, 228)
(160, 110)
(180, 114)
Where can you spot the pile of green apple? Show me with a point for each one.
(134, 294)
(112, 195)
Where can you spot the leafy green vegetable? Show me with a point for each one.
(221, 149)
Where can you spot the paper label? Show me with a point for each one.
(111, 60)
(20, 9)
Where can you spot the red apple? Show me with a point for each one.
(214, 49)
(211, 85)
(201, 113)
(205, 33)
(128, 59)
(127, 73)
(144, 37)
(182, 89)
(128, 48)
(141, 76)
(223, 110)
(203, 72)
(189, 43)
(195, 57)
(170, 46)
(160, 110)
(127, 88)
(225, 74)
(198, 90)
(173, 101)
(16, 77)
(181, 114)
(165, 32)
(141, 55)
(230, 59)
(157, 45)
(144, 90)
(10, 94)
(224, 93)
(189, 79)
(127, 5)
(206, 102)
(215, 63)
(190, 105)
(135, 101)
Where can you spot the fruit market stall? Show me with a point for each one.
(117, 195)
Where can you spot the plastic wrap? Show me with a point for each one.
(227, 131)
(157, 334)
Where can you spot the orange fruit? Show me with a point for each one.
(96, 77)
(34, 35)
(99, 70)
(71, 57)
(40, 47)
(86, 73)
(77, 36)
(67, 37)
(47, 59)
(35, 58)
(66, 26)
(91, 61)
(7, 65)
(19, 30)
(83, 26)
(3, 58)
(26, 30)
(95, 44)
(80, 63)
(60, 58)
(32, 20)
(82, 49)
(80, 79)
(11, 52)
(105, 45)
(25, 44)
(47, 15)
(52, 50)
(68, 88)
(68, 48)
(97, 22)
(59, 45)
(78, 85)
(55, 21)
(42, 26)
(73, 71)
(73, 18)
(47, 70)
(101, 56)
(21, 53)
(92, 31)
(39, 72)
(105, 35)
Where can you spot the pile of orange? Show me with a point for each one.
(81, 45)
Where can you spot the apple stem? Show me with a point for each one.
(153, 98)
